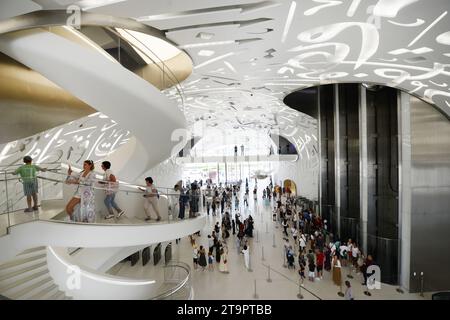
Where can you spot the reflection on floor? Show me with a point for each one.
(240, 283)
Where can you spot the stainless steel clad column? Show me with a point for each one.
(319, 135)
(404, 161)
(337, 159)
(363, 172)
(430, 197)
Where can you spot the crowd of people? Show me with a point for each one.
(81, 206)
(314, 247)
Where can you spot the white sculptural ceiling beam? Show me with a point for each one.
(106, 86)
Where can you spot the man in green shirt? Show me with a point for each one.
(27, 173)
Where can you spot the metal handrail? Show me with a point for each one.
(176, 79)
(177, 85)
(21, 164)
(175, 289)
(117, 190)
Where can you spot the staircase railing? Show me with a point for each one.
(129, 197)
(179, 274)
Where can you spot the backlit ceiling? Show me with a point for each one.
(249, 54)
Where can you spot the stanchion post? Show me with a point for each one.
(255, 295)
(262, 253)
(274, 245)
(366, 292)
(257, 236)
(421, 284)
(350, 273)
(299, 295)
(267, 227)
(340, 293)
(268, 274)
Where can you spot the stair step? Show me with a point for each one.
(41, 295)
(21, 281)
(58, 296)
(23, 265)
(35, 285)
(37, 289)
(42, 248)
(16, 262)
(12, 274)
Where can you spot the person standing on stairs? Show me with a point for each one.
(111, 185)
(151, 199)
(27, 173)
(85, 180)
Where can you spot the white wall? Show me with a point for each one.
(304, 173)
(165, 174)
(81, 282)
(47, 233)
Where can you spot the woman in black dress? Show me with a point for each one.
(218, 247)
(202, 258)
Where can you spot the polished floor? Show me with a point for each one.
(240, 284)
(266, 251)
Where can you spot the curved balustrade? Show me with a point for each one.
(52, 185)
(131, 229)
(177, 283)
(81, 282)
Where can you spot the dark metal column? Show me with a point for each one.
(382, 152)
(348, 136)
(327, 174)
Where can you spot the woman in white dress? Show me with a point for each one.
(246, 253)
(84, 195)
(223, 266)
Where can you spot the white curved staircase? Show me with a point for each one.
(26, 277)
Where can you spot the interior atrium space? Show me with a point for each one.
(248, 150)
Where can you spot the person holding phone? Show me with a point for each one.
(85, 179)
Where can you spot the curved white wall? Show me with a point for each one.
(305, 176)
(81, 282)
(63, 234)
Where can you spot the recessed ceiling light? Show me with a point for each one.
(205, 53)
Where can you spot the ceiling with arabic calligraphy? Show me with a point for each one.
(248, 55)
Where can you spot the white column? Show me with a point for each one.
(404, 174)
(363, 170)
